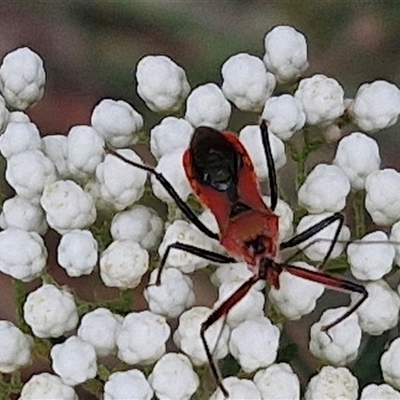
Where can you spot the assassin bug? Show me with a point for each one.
(222, 176)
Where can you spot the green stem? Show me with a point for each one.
(359, 213)
(19, 298)
(300, 155)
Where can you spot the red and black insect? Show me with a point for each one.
(222, 176)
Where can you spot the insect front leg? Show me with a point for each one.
(197, 251)
(270, 163)
(186, 210)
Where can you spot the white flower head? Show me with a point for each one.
(46, 386)
(183, 232)
(380, 311)
(132, 383)
(390, 364)
(318, 245)
(85, 149)
(383, 391)
(317, 196)
(322, 99)
(250, 137)
(176, 368)
(357, 155)
(376, 105)
(19, 212)
(207, 106)
(19, 136)
(187, 336)
(77, 252)
(162, 84)
(123, 264)
(382, 194)
(284, 115)
(19, 173)
(254, 343)
(246, 82)
(74, 361)
(23, 255)
(285, 53)
(173, 296)
(67, 206)
(121, 184)
(371, 261)
(141, 338)
(331, 384)
(22, 78)
(170, 134)
(277, 382)
(237, 389)
(339, 346)
(55, 147)
(15, 347)
(117, 122)
(50, 311)
(100, 328)
(139, 223)
(296, 296)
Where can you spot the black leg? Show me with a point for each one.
(187, 211)
(310, 232)
(270, 163)
(197, 251)
(217, 314)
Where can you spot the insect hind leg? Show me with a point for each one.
(216, 315)
(334, 283)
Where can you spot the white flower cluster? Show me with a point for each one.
(67, 183)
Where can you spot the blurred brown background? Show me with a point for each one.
(91, 48)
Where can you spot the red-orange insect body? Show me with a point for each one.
(222, 176)
(248, 228)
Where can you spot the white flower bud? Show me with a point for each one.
(162, 84)
(22, 78)
(332, 384)
(50, 312)
(376, 105)
(117, 122)
(322, 99)
(174, 368)
(207, 106)
(246, 82)
(285, 53)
